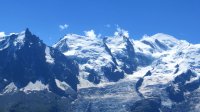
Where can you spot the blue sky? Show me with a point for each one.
(180, 18)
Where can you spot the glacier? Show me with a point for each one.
(90, 73)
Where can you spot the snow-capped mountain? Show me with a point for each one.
(123, 51)
(174, 73)
(159, 69)
(28, 65)
(96, 63)
(100, 60)
(157, 73)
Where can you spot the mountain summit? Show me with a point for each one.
(158, 69)
(27, 64)
(116, 73)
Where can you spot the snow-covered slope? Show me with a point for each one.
(155, 44)
(162, 69)
(96, 65)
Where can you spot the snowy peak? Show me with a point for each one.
(100, 60)
(95, 62)
(158, 69)
(25, 60)
(162, 40)
(123, 50)
(27, 32)
(157, 43)
(165, 38)
(17, 41)
(120, 56)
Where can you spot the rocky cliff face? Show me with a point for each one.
(27, 64)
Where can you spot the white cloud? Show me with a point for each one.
(90, 34)
(2, 34)
(121, 32)
(63, 27)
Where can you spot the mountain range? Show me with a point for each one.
(157, 73)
